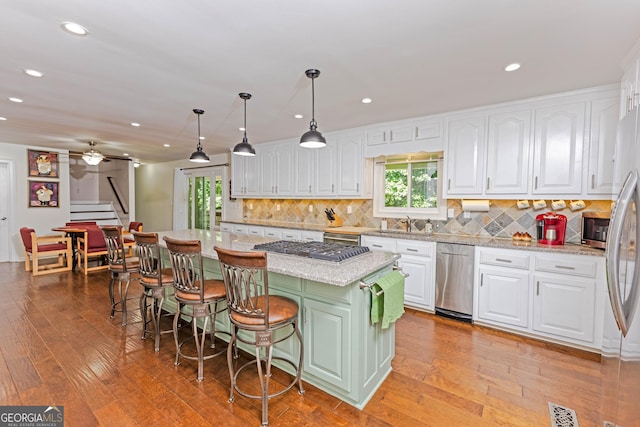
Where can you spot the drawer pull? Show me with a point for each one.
(377, 246)
(503, 260)
(411, 250)
(565, 267)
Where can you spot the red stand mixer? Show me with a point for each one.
(551, 228)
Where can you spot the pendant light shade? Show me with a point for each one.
(92, 157)
(312, 138)
(199, 156)
(244, 148)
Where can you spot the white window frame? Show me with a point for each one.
(382, 211)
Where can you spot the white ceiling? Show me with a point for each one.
(154, 61)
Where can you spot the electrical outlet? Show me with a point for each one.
(466, 214)
(277, 206)
(450, 213)
(250, 206)
(310, 208)
(349, 210)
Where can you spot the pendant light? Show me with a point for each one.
(312, 138)
(244, 148)
(199, 156)
(92, 157)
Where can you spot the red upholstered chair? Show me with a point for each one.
(37, 249)
(127, 237)
(91, 246)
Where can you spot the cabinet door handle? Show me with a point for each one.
(481, 279)
(488, 182)
(535, 186)
(309, 189)
(276, 189)
(390, 135)
(449, 184)
(332, 188)
(565, 267)
(593, 181)
(358, 187)
(537, 288)
(503, 260)
(384, 136)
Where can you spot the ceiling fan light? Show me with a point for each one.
(92, 157)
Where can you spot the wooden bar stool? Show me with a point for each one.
(155, 280)
(269, 319)
(120, 267)
(201, 295)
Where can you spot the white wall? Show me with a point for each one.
(21, 215)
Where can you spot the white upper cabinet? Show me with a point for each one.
(630, 92)
(407, 136)
(466, 145)
(558, 145)
(350, 155)
(277, 170)
(604, 123)
(303, 160)
(324, 182)
(508, 153)
(245, 175)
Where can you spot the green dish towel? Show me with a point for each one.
(389, 305)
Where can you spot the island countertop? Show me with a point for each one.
(334, 273)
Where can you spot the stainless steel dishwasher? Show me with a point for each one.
(454, 280)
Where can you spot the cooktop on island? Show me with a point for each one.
(319, 250)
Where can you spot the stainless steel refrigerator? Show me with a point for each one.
(621, 341)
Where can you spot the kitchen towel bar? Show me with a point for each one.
(365, 285)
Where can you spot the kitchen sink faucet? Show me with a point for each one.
(408, 222)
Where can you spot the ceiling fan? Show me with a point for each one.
(94, 157)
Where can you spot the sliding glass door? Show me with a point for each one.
(204, 198)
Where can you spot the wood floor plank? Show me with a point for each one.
(59, 346)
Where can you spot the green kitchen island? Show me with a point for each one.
(344, 354)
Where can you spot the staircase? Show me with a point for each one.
(101, 213)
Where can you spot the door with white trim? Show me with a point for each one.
(6, 207)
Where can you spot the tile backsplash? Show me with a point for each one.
(502, 220)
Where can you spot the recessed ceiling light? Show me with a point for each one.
(366, 100)
(135, 125)
(125, 154)
(74, 28)
(241, 129)
(3, 118)
(12, 99)
(166, 145)
(298, 116)
(136, 164)
(202, 137)
(33, 73)
(512, 67)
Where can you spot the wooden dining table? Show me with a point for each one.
(73, 232)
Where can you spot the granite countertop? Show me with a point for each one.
(281, 224)
(334, 273)
(492, 242)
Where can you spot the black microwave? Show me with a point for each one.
(595, 228)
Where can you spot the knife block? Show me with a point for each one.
(337, 222)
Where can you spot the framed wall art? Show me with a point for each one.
(43, 164)
(43, 194)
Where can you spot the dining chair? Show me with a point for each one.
(265, 319)
(42, 248)
(201, 295)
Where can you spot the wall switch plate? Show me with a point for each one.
(349, 210)
(310, 208)
(250, 205)
(466, 214)
(277, 206)
(450, 213)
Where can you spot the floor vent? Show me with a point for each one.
(562, 417)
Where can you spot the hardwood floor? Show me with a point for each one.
(58, 346)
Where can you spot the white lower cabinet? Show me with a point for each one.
(553, 296)
(417, 262)
(503, 296)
